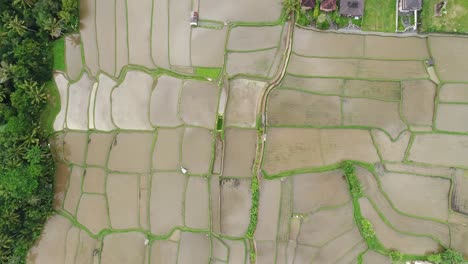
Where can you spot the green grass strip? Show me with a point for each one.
(58, 52)
(207, 72)
(51, 109)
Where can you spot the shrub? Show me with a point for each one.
(316, 10)
(396, 256)
(322, 22)
(342, 21)
(353, 181)
(302, 19)
(367, 229)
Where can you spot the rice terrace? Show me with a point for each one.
(254, 132)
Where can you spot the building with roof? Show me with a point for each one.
(352, 8)
(409, 5)
(328, 5)
(308, 4)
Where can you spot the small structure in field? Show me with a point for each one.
(194, 19)
(439, 7)
(352, 8)
(308, 4)
(406, 6)
(328, 5)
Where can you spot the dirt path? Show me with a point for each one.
(261, 111)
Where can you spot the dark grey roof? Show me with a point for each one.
(411, 5)
(308, 3)
(352, 7)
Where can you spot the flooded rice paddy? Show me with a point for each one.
(150, 169)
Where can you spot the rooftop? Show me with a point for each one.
(310, 4)
(352, 7)
(410, 5)
(328, 5)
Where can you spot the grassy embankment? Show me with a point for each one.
(455, 19)
(379, 16)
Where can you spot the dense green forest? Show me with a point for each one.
(27, 29)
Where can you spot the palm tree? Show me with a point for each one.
(17, 25)
(54, 27)
(35, 92)
(23, 4)
(5, 71)
(3, 93)
(292, 6)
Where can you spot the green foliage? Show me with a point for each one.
(367, 229)
(316, 10)
(58, 51)
(303, 18)
(342, 21)
(255, 190)
(380, 16)
(353, 181)
(435, 259)
(292, 6)
(449, 256)
(26, 166)
(396, 256)
(322, 22)
(206, 72)
(357, 22)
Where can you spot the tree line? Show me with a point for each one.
(27, 29)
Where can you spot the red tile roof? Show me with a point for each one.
(328, 5)
(308, 3)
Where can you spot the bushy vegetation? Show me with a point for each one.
(255, 188)
(449, 256)
(353, 181)
(27, 28)
(322, 22)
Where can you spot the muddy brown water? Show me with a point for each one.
(166, 204)
(418, 101)
(122, 194)
(391, 239)
(400, 221)
(418, 195)
(239, 152)
(88, 34)
(197, 213)
(235, 206)
(131, 152)
(139, 32)
(131, 101)
(197, 150)
(251, 63)
(315, 190)
(253, 38)
(73, 55)
(62, 172)
(99, 145)
(199, 103)
(269, 210)
(167, 150)
(321, 227)
(243, 100)
(164, 108)
(194, 248)
(450, 54)
(105, 32)
(303, 109)
(160, 33)
(207, 47)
